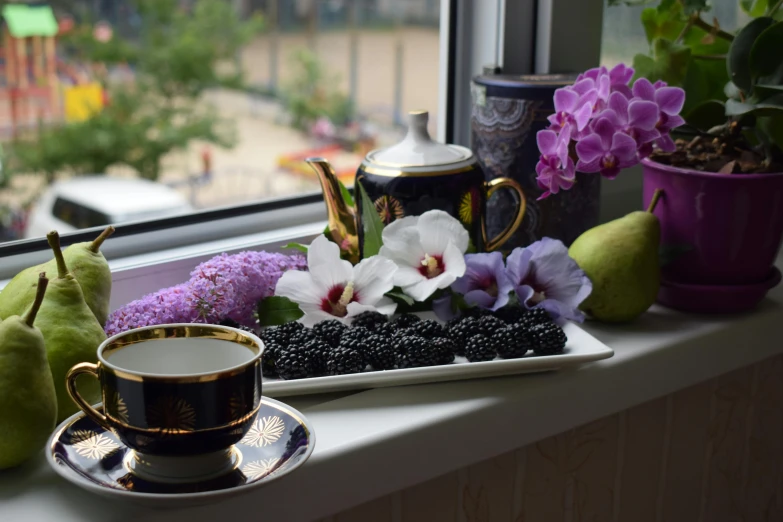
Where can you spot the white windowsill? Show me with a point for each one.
(378, 441)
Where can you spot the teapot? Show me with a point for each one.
(408, 179)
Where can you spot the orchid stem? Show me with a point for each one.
(775, 7)
(698, 22)
(656, 197)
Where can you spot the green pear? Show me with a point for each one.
(28, 403)
(87, 265)
(621, 259)
(71, 331)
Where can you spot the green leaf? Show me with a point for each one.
(669, 63)
(754, 8)
(346, 194)
(766, 58)
(738, 108)
(276, 310)
(763, 90)
(296, 246)
(738, 63)
(693, 6)
(732, 91)
(704, 81)
(373, 226)
(707, 115)
(666, 21)
(400, 297)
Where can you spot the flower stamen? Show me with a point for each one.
(432, 266)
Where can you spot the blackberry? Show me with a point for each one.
(512, 341)
(489, 324)
(294, 364)
(477, 312)
(370, 320)
(462, 330)
(317, 353)
(330, 331)
(413, 351)
(510, 314)
(480, 348)
(356, 339)
(269, 358)
(380, 353)
(428, 329)
(233, 324)
(405, 321)
(385, 329)
(341, 361)
(302, 337)
(281, 334)
(534, 317)
(444, 350)
(547, 338)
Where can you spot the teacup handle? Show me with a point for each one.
(70, 384)
(491, 187)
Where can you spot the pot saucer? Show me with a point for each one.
(715, 299)
(92, 458)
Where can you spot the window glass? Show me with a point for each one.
(623, 34)
(219, 101)
(77, 215)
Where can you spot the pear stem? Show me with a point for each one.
(54, 243)
(96, 244)
(39, 297)
(654, 201)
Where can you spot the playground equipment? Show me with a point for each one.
(35, 86)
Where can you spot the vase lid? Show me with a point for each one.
(417, 148)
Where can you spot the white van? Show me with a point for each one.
(91, 201)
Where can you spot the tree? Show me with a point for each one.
(178, 55)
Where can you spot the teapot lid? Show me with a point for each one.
(418, 149)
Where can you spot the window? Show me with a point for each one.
(151, 89)
(623, 33)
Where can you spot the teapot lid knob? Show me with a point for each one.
(417, 126)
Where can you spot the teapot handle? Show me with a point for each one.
(491, 187)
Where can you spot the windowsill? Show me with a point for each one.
(375, 442)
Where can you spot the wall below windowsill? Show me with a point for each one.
(375, 442)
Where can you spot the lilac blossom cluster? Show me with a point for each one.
(227, 287)
(541, 275)
(613, 124)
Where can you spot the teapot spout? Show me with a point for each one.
(343, 221)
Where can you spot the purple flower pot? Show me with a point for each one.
(726, 229)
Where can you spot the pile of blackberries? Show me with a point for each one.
(373, 342)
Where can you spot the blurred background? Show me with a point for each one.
(120, 110)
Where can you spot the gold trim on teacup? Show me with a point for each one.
(396, 173)
(205, 331)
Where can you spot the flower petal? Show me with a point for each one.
(619, 104)
(565, 100)
(518, 265)
(454, 262)
(482, 299)
(670, 99)
(590, 149)
(546, 140)
(642, 88)
(423, 289)
(299, 287)
(642, 114)
(582, 116)
(312, 317)
(372, 278)
(325, 265)
(623, 147)
(437, 230)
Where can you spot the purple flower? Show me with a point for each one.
(555, 169)
(572, 108)
(669, 101)
(607, 150)
(637, 118)
(544, 276)
(225, 287)
(485, 283)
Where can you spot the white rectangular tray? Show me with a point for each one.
(581, 348)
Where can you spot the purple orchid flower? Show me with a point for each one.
(607, 150)
(485, 283)
(571, 108)
(544, 276)
(669, 101)
(555, 169)
(637, 118)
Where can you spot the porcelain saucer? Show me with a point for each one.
(84, 453)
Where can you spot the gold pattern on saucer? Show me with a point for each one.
(126, 482)
(120, 408)
(92, 445)
(171, 415)
(265, 431)
(259, 468)
(389, 209)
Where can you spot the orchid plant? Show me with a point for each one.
(603, 124)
